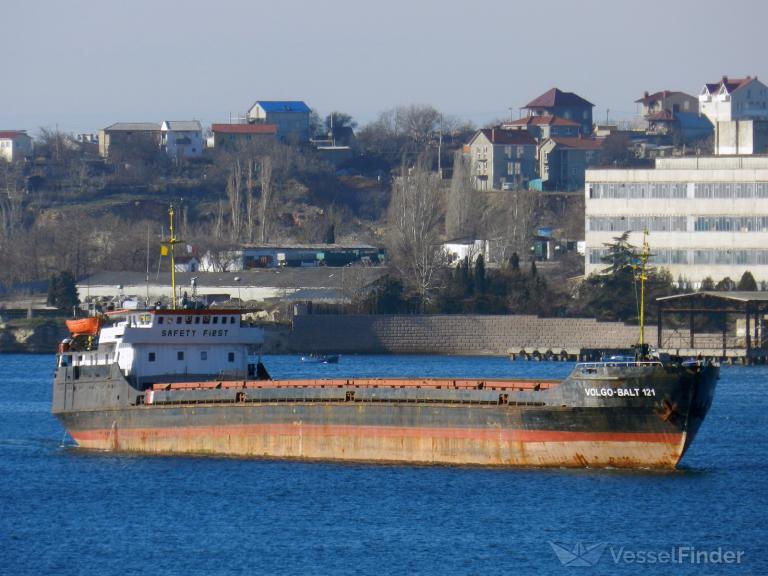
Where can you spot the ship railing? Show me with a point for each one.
(619, 364)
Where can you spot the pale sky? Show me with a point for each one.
(84, 64)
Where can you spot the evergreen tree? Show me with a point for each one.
(62, 292)
(725, 285)
(480, 275)
(707, 284)
(52, 289)
(747, 282)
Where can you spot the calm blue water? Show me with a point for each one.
(65, 512)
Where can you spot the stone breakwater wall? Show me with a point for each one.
(454, 334)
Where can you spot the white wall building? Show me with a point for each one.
(471, 248)
(15, 145)
(290, 116)
(734, 99)
(707, 216)
(181, 138)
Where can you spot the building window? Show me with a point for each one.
(230, 356)
(203, 355)
(151, 356)
(180, 355)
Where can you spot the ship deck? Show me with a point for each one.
(515, 385)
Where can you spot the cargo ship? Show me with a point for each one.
(190, 381)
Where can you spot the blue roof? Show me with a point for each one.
(283, 105)
(691, 121)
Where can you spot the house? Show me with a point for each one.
(555, 102)
(470, 248)
(186, 264)
(502, 159)
(233, 135)
(181, 138)
(290, 117)
(563, 161)
(542, 127)
(670, 101)
(124, 135)
(15, 145)
(734, 99)
(289, 256)
(738, 108)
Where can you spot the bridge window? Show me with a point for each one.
(203, 355)
(180, 355)
(232, 320)
(151, 356)
(231, 356)
(197, 319)
(178, 319)
(188, 320)
(160, 319)
(206, 319)
(215, 319)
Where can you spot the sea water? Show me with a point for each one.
(66, 511)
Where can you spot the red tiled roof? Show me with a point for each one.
(12, 133)
(542, 120)
(661, 95)
(731, 84)
(556, 97)
(244, 128)
(499, 136)
(579, 143)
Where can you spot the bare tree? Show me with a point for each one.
(509, 219)
(265, 179)
(250, 201)
(415, 214)
(11, 199)
(463, 210)
(234, 195)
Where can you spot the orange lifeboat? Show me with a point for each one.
(84, 326)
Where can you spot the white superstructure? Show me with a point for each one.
(163, 343)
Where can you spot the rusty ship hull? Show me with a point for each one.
(642, 415)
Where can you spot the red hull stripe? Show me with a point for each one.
(482, 434)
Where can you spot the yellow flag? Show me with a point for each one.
(163, 250)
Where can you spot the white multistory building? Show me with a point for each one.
(738, 109)
(706, 216)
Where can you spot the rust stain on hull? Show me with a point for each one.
(478, 447)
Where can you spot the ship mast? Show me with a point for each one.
(643, 260)
(170, 247)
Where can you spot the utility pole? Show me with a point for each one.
(439, 151)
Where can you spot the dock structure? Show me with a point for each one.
(726, 326)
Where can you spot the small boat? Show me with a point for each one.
(321, 359)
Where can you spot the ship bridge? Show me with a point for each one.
(165, 342)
